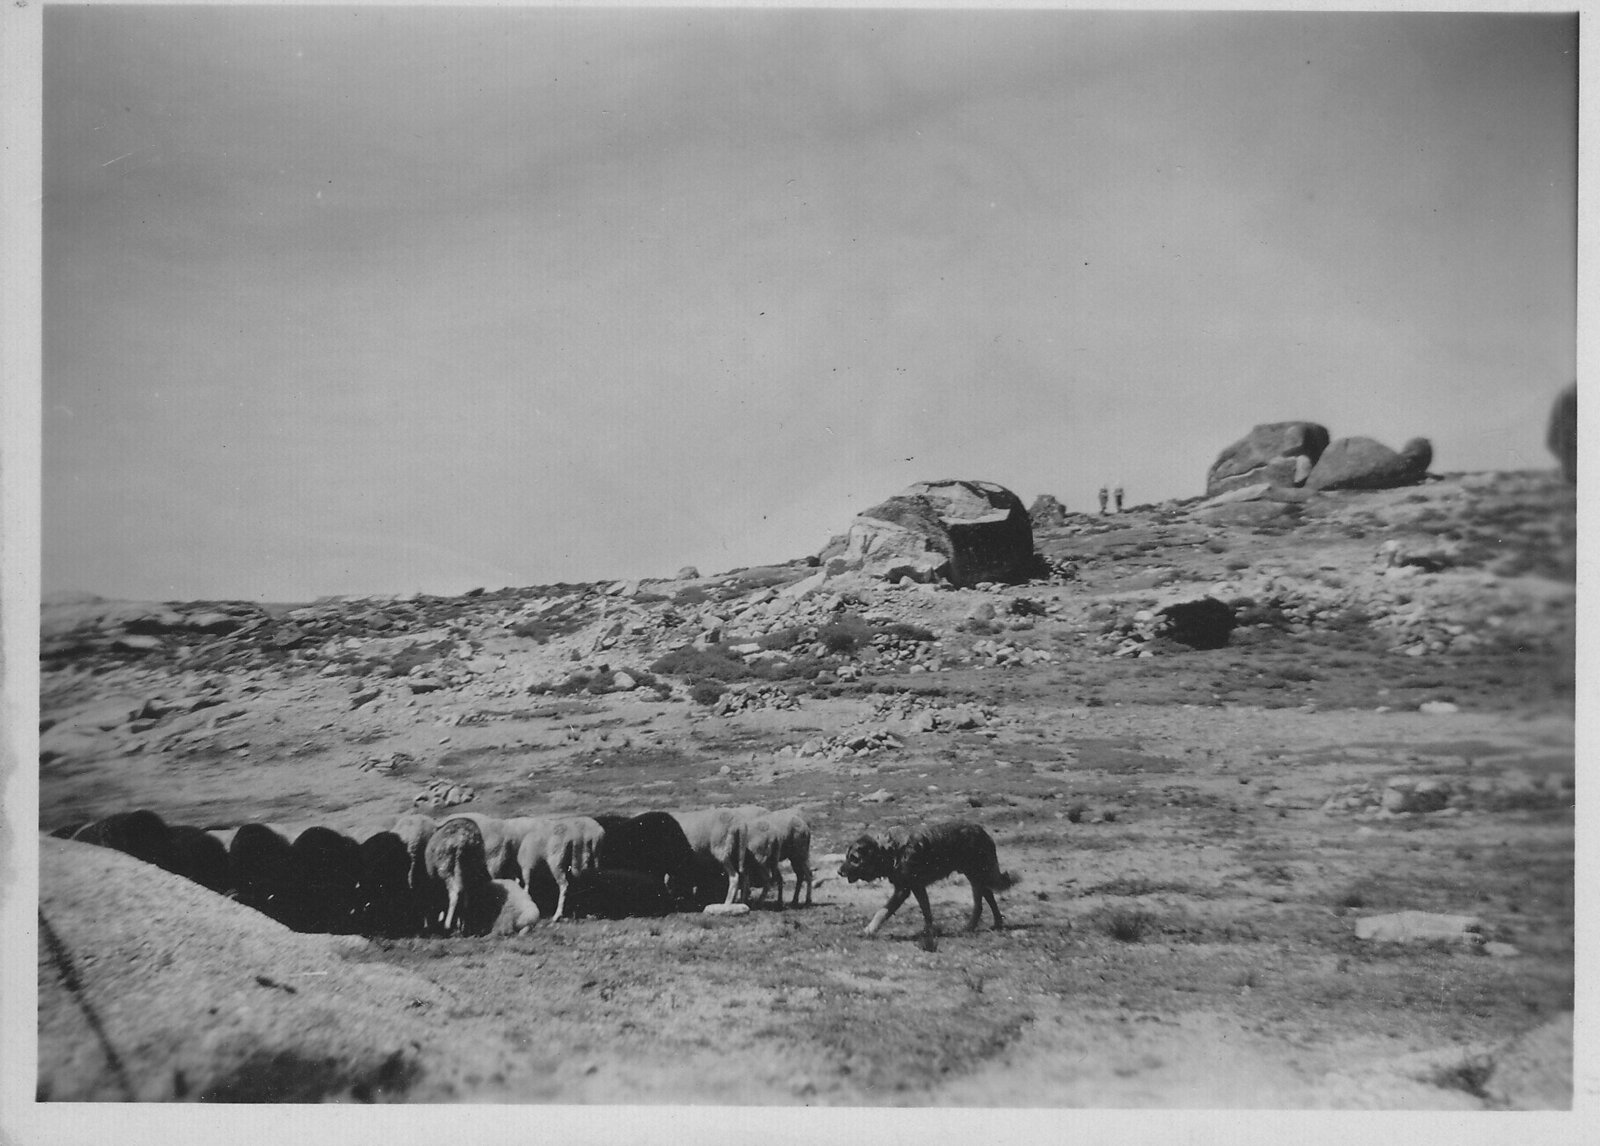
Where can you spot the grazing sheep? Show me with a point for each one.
(197, 855)
(619, 894)
(718, 837)
(502, 840)
(180, 849)
(455, 863)
(565, 848)
(504, 908)
(749, 815)
(141, 834)
(330, 868)
(781, 836)
(651, 844)
(414, 831)
(386, 903)
(929, 853)
(265, 874)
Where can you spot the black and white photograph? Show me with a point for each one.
(792, 561)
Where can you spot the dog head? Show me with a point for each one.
(866, 859)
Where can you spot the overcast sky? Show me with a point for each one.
(374, 300)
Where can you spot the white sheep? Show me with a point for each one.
(720, 836)
(779, 836)
(566, 847)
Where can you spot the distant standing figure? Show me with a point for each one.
(1119, 499)
(1102, 501)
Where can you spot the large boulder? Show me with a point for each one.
(153, 988)
(963, 532)
(1277, 453)
(1201, 624)
(1252, 512)
(1562, 436)
(1362, 463)
(1420, 927)
(1534, 1071)
(1046, 512)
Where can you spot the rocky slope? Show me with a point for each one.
(1234, 719)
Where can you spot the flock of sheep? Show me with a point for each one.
(470, 873)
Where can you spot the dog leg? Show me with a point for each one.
(928, 943)
(927, 908)
(887, 909)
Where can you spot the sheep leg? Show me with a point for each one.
(994, 908)
(561, 892)
(560, 861)
(450, 910)
(775, 875)
(888, 909)
(977, 906)
(740, 853)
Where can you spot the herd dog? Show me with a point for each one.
(911, 861)
(474, 874)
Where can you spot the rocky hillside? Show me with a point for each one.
(1219, 737)
(1462, 590)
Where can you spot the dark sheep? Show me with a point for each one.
(141, 834)
(265, 874)
(330, 867)
(653, 844)
(388, 907)
(620, 893)
(199, 856)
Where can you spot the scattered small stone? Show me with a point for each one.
(851, 744)
(754, 698)
(1405, 794)
(444, 794)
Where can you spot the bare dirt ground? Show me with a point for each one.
(1198, 831)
